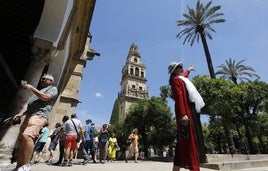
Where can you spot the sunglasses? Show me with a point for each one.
(45, 79)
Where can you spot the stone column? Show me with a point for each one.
(41, 57)
(68, 99)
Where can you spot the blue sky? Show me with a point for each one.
(151, 25)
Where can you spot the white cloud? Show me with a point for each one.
(98, 94)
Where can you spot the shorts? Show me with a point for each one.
(38, 147)
(136, 150)
(133, 149)
(52, 146)
(32, 125)
(96, 145)
(70, 142)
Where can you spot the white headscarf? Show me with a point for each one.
(194, 96)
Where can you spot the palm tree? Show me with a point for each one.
(198, 22)
(234, 71)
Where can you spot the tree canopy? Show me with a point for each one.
(235, 108)
(154, 121)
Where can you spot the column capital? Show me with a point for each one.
(43, 50)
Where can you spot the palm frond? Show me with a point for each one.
(209, 35)
(214, 16)
(188, 38)
(215, 21)
(193, 39)
(209, 28)
(238, 70)
(208, 5)
(203, 15)
(212, 10)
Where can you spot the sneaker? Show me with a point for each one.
(50, 161)
(70, 163)
(64, 164)
(36, 162)
(85, 161)
(24, 168)
(56, 164)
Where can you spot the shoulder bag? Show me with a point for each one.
(78, 135)
(183, 130)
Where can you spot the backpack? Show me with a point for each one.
(93, 132)
(55, 135)
(104, 137)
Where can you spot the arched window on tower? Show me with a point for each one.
(137, 71)
(142, 74)
(125, 72)
(131, 71)
(121, 111)
(135, 60)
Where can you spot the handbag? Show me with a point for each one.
(117, 148)
(78, 136)
(129, 141)
(183, 130)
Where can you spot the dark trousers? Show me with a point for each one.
(61, 146)
(88, 146)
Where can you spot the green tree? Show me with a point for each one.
(163, 129)
(250, 98)
(261, 130)
(153, 119)
(198, 23)
(217, 94)
(215, 140)
(234, 106)
(234, 71)
(115, 113)
(165, 92)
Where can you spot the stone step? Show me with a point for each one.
(236, 165)
(214, 158)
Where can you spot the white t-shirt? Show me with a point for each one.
(68, 126)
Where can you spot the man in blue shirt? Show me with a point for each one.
(88, 146)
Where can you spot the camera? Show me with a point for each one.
(23, 82)
(16, 121)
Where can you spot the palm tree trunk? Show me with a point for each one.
(229, 137)
(145, 142)
(218, 143)
(262, 147)
(208, 57)
(249, 139)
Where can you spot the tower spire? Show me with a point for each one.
(133, 82)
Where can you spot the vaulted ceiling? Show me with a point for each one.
(18, 21)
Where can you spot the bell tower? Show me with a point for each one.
(133, 83)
